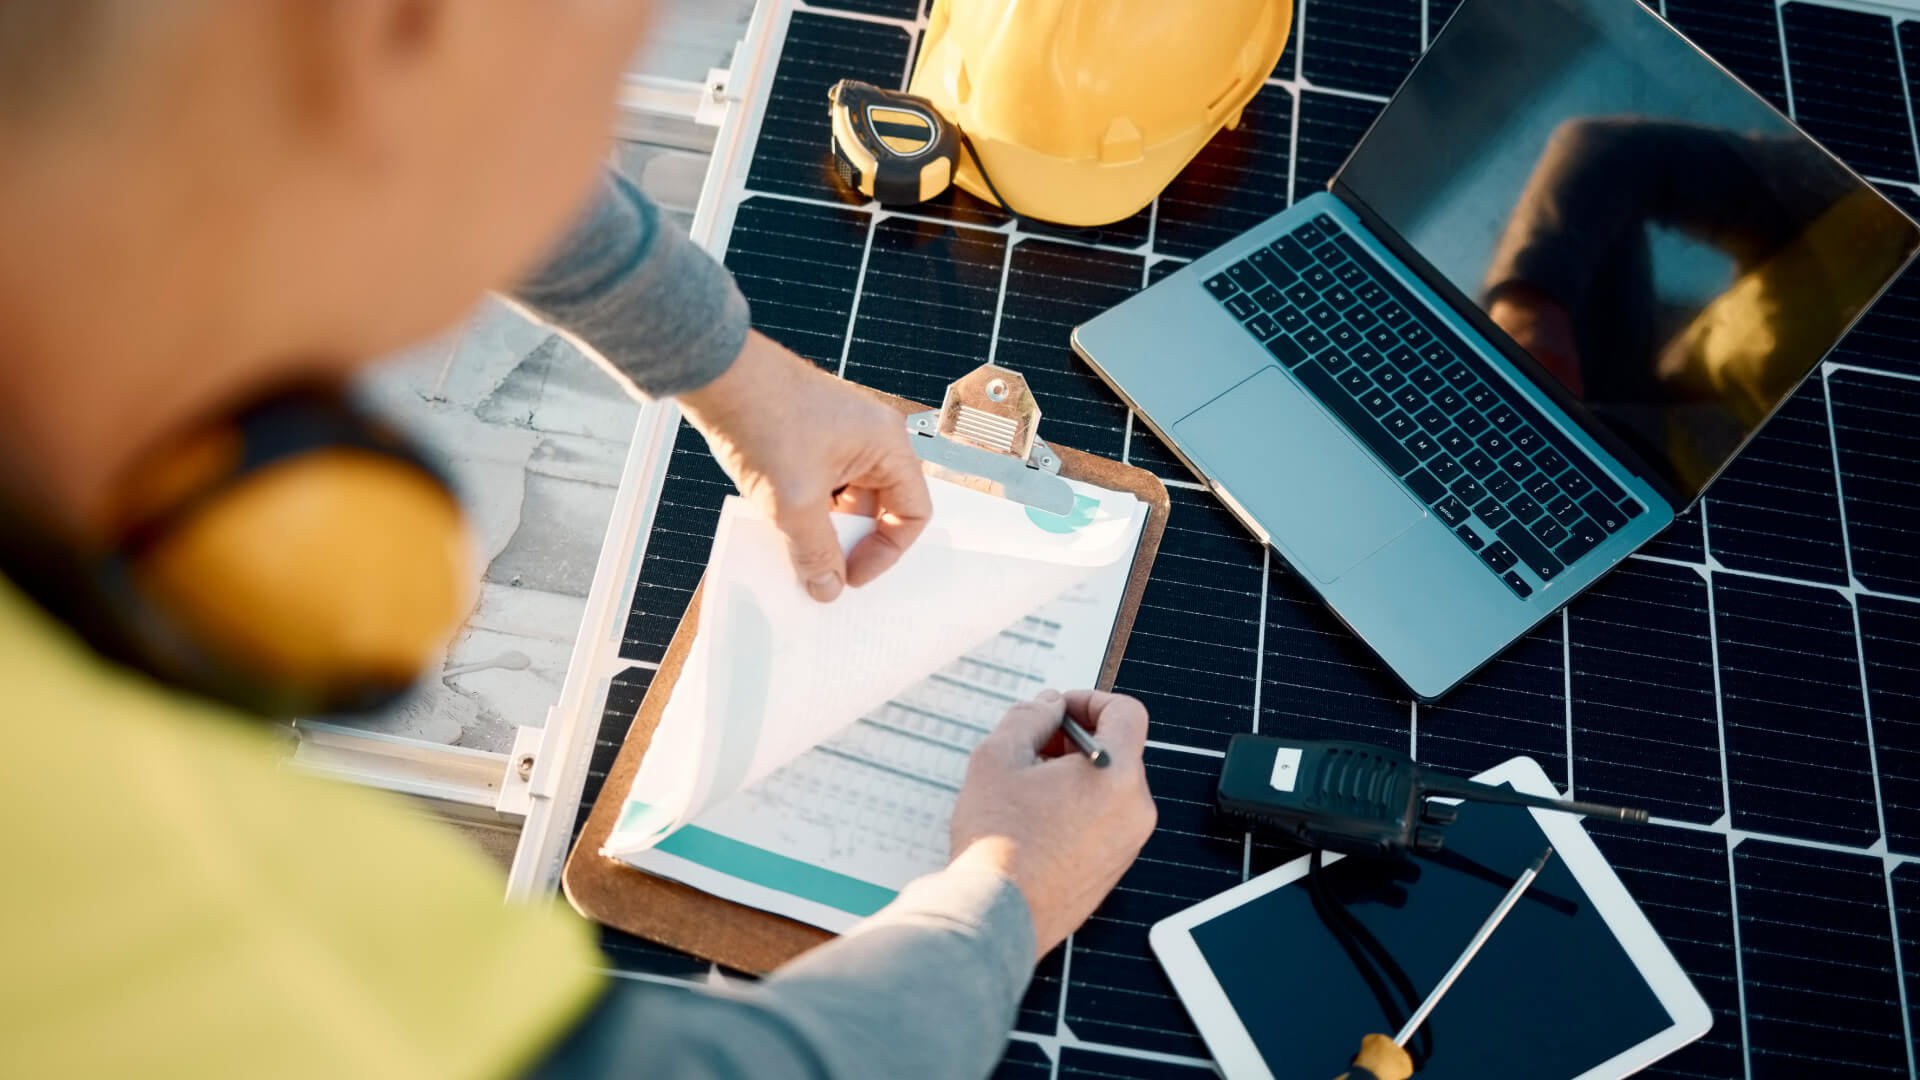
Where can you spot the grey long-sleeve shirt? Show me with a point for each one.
(928, 987)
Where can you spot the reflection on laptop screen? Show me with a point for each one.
(1657, 237)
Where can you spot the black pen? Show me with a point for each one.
(1087, 743)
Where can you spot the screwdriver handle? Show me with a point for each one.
(1380, 1058)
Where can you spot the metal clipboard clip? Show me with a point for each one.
(985, 436)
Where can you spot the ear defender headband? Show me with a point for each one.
(295, 558)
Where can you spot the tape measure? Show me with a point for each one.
(889, 145)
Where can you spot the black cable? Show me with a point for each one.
(1371, 957)
(1086, 233)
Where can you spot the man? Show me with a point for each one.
(206, 203)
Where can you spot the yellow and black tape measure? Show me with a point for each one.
(889, 145)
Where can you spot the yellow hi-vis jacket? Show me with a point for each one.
(173, 903)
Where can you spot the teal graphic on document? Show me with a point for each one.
(768, 868)
(1079, 517)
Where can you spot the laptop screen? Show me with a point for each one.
(1666, 245)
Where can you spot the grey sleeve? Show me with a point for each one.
(927, 988)
(659, 312)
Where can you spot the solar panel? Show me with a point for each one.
(1752, 677)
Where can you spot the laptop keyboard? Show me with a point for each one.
(1515, 490)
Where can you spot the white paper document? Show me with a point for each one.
(808, 760)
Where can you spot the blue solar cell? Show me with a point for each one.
(1517, 704)
(1744, 35)
(1890, 641)
(1847, 87)
(1777, 509)
(1873, 418)
(1366, 46)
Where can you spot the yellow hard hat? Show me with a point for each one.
(1082, 110)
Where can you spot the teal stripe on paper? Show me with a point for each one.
(728, 856)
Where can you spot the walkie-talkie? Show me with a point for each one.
(1359, 799)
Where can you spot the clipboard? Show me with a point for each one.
(985, 435)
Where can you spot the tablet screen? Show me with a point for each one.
(1550, 996)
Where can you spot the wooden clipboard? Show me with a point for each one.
(609, 891)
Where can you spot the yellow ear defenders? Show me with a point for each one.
(296, 558)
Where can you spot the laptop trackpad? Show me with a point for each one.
(1325, 500)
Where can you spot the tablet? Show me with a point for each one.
(1574, 985)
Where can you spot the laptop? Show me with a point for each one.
(1569, 272)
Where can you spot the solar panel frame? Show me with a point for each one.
(1757, 659)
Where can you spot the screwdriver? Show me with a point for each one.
(1381, 1058)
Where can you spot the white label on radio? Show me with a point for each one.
(1286, 768)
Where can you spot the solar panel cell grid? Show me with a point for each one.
(1752, 677)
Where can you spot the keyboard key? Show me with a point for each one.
(1604, 513)
(1498, 555)
(1460, 376)
(1518, 584)
(1532, 555)
(1246, 275)
(1415, 334)
(1495, 444)
(1301, 294)
(1242, 306)
(1564, 510)
(1492, 513)
(1528, 440)
(1336, 362)
(1524, 507)
(1583, 537)
(1308, 234)
(1366, 356)
(1269, 299)
(1370, 293)
(1327, 225)
(1343, 336)
(1473, 424)
(1550, 462)
(1469, 537)
(1221, 286)
(1423, 446)
(1479, 464)
(1285, 351)
(1390, 379)
(1362, 319)
(1434, 421)
(1517, 463)
(1392, 314)
(1350, 274)
(1575, 484)
(1322, 315)
(1262, 326)
(1632, 509)
(1312, 340)
(1424, 485)
(1447, 469)
(1549, 532)
(1357, 419)
(1290, 319)
(1428, 380)
(1408, 398)
(1502, 486)
(1480, 396)
(1436, 354)
(1456, 441)
(1449, 400)
(1468, 490)
(1404, 359)
(1452, 510)
(1291, 253)
(1352, 380)
(1400, 425)
(1270, 266)
(1383, 338)
(1338, 296)
(1377, 402)
(1317, 276)
(1504, 418)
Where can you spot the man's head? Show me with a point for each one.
(202, 198)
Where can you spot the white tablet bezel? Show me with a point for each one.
(1233, 1048)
